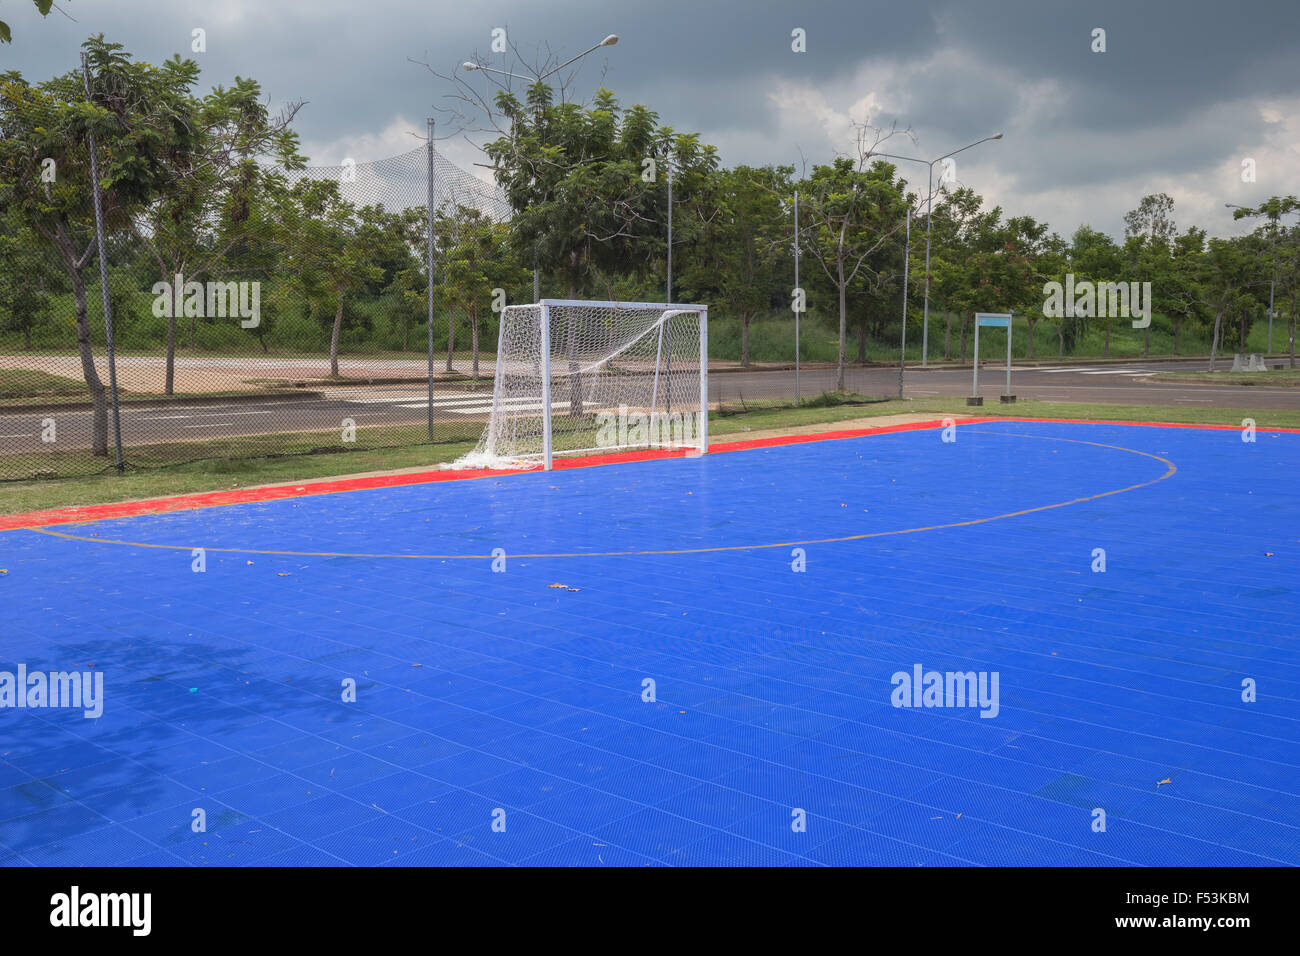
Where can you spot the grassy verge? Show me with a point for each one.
(1275, 378)
(233, 472)
(32, 383)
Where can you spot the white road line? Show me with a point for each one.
(33, 435)
(483, 407)
(209, 425)
(163, 418)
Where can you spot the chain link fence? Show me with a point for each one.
(298, 326)
(287, 311)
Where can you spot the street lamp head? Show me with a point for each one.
(609, 40)
(999, 136)
(469, 67)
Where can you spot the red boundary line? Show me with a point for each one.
(127, 509)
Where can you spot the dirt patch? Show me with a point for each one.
(852, 424)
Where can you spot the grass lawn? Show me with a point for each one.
(31, 383)
(1274, 378)
(221, 473)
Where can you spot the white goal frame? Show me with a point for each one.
(668, 310)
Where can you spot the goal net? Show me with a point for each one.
(583, 377)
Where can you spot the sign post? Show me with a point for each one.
(993, 320)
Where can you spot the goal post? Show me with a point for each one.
(581, 377)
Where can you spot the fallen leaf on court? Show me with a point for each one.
(549, 585)
(282, 574)
(1163, 782)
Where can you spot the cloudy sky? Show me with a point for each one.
(1185, 92)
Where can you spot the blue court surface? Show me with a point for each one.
(690, 661)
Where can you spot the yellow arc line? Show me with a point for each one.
(1171, 468)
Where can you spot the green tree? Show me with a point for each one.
(1279, 250)
(476, 260)
(1152, 220)
(853, 209)
(963, 261)
(737, 250)
(139, 115)
(218, 193)
(1227, 272)
(1094, 257)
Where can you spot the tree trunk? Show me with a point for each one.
(27, 338)
(334, 338)
(1031, 341)
(1177, 328)
(473, 335)
(1214, 338)
(99, 436)
(1295, 293)
(839, 375)
(575, 379)
(170, 388)
(963, 343)
(1106, 350)
(451, 334)
(1060, 339)
(947, 336)
(862, 345)
(744, 339)
(1146, 341)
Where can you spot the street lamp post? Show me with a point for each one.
(470, 66)
(907, 255)
(798, 298)
(670, 231)
(929, 202)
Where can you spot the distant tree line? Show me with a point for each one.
(209, 187)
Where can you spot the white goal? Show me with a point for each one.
(582, 377)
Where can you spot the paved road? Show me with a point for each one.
(403, 404)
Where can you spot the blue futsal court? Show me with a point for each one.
(1145, 714)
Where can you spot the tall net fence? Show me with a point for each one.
(296, 325)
